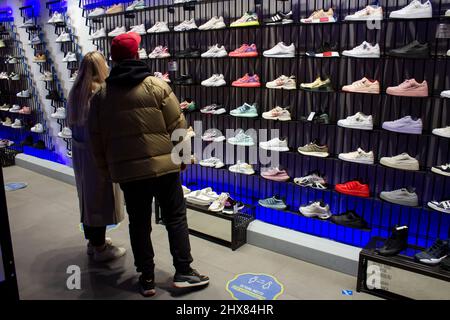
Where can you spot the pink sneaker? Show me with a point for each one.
(363, 86)
(247, 81)
(245, 51)
(275, 174)
(409, 88)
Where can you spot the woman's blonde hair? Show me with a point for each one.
(92, 73)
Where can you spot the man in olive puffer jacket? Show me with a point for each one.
(131, 121)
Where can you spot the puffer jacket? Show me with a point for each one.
(130, 121)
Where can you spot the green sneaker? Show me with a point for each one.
(273, 203)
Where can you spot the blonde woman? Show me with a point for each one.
(100, 201)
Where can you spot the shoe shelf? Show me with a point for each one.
(20, 136)
(54, 87)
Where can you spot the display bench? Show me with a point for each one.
(400, 277)
(217, 227)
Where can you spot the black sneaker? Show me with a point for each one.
(443, 170)
(324, 51)
(39, 145)
(397, 242)
(413, 50)
(434, 254)
(53, 95)
(188, 53)
(28, 141)
(232, 206)
(190, 279)
(183, 80)
(147, 286)
(445, 264)
(350, 219)
(319, 118)
(280, 18)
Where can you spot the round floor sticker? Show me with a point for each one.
(254, 286)
(13, 186)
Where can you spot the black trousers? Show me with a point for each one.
(95, 235)
(138, 199)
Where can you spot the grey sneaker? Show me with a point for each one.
(273, 203)
(404, 197)
(90, 248)
(190, 279)
(109, 253)
(314, 150)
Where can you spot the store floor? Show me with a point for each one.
(44, 223)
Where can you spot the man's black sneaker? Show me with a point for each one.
(53, 95)
(28, 141)
(397, 242)
(190, 279)
(188, 53)
(183, 80)
(280, 18)
(319, 117)
(434, 254)
(350, 219)
(232, 206)
(413, 50)
(326, 50)
(147, 286)
(39, 145)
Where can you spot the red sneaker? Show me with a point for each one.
(354, 188)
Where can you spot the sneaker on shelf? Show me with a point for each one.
(409, 88)
(96, 12)
(164, 77)
(442, 206)
(404, 197)
(219, 204)
(317, 117)
(100, 33)
(23, 94)
(273, 203)
(139, 29)
(17, 124)
(215, 51)
(37, 128)
(12, 60)
(318, 85)
(213, 135)
(244, 51)
(159, 52)
(326, 50)
(216, 80)
(359, 156)
(190, 279)
(396, 243)
(277, 113)
(186, 190)
(445, 94)
(159, 27)
(59, 114)
(15, 108)
(280, 50)
(369, 13)
(317, 209)
(241, 139)
(363, 86)
(47, 76)
(283, 82)
(4, 76)
(212, 163)
(314, 149)
(14, 76)
(275, 145)
(434, 254)
(213, 24)
(4, 143)
(184, 80)
(39, 58)
(247, 81)
(320, 16)
(358, 121)
(63, 37)
(414, 10)
(28, 24)
(247, 20)
(5, 107)
(136, 5)
(313, 180)
(353, 188)
(275, 174)
(403, 161)
(213, 109)
(246, 111)
(188, 106)
(414, 49)
(65, 133)
(442, 132)
(25, 110)
(404, 125)
(280, 18)
(443, 170)
(56, 18)
(2, 43)
(70, 57)
(202, 197)
(242, 168)
(350, 219)
(116, 8)
(117, 31)
(186, 25)
(142, 54)
(7, 122)
(232, 206)
(364, 50)
(35, 40)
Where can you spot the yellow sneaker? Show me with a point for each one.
(247, 20)
(318, 85)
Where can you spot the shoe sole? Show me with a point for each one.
(439, 171)
(277, 118)
(279, 22)
(368, 18)
(331, 54)
(362, 91)
(441, 135)
(406, 94)
(245, 24)
(432, 261)
(326, 89)
(408, 55)
(282, 87)
(247, 85)
(246, 173)
(244, 115)
(315, 215)
(355, 127)
(402, 203)
(395, 166)
(186, 284)
(321, 20)
(363, 56)
(273, 207)
(315, 154)
(434, 207)
(407, 131)
(282, 55)
(353, 193)
(410, 16)
(279, 149)
(355, 161)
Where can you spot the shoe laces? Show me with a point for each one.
(436, 249)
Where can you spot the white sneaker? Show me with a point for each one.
(281, 50)
(56, 18)
(4, 76)
(47, 76)
(70, 57)
(316, 209)
(283, 82)
(216, 80)
(109, 253)
(23, 94)
(186, 25)
(63, 37)
(15, 108)
(242, 168)
(12, 60)
(358, 121)
(74, 76)
(14, 76)
(59, 114)
(447, 13)
(219, 204)
(212, 163)
(213, 24)
(159, 53)
(369, 13)
(159, 26)
(139, 29)
(213, 135)
(442, 132)
(117, 32)
(97, 12)
(28, 23)
(142, 54)
(364, 50)
(100, 33)
(35, 40)
(414, 10)
(17, 124)
(359, 156)
(445, 94)
(65, 133)
(277, 113)
(37, 128)
(136, 5)
(403, 161)
(202, 197)
(215, 52)
(275, 145)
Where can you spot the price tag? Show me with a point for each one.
(311, 116)
(173, 66)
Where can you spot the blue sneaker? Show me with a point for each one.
(246, 110)
(434, 254)
(273, 203)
